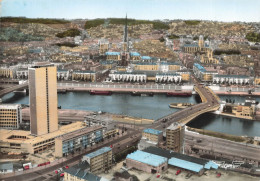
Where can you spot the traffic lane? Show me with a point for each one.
(51, 169)
(219, 145)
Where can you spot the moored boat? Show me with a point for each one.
(94, 92)
(180, 105)
(186, 94)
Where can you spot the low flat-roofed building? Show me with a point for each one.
(146, 162)
(152, 135)
(10, 116)
(23, 141)
(194, 164)
(77, 140)
(100, 160)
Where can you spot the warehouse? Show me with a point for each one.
(146, 162)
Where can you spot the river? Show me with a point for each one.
(150, 108)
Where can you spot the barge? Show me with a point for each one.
(180, 105)
(108, 93)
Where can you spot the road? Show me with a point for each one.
(45, 172)
(222, 146)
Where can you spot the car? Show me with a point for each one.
(178, 172)
(62, 175)
(218, 175)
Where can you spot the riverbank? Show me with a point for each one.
(131, 120)
(241, 139)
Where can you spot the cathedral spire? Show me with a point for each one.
(125, 30)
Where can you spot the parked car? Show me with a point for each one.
(178, 172)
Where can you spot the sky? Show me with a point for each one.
(217, 10)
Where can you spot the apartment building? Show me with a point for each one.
(77, 140)
(100, 160)
(174, 137)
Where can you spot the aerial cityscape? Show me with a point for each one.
(129, 90)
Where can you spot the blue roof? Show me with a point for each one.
(200, 67)
(112, 53)
(146, 58)
(98, 152)
(134, 54)
(146, 63)
(147, 158)
(152, 131)
(185, 164)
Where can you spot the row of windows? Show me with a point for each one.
(46, 141)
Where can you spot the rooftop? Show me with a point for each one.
(152, 131)
(147, 158)
(98, 152)
(80, 171)
(191, 45)
(146, 58)
(232, 76)
(9, 106)
(79, 132)
(112, 53)
(174, 126)
(200, 67)
(134, 54)
(5, 134)
(185, 164)
(186, 159)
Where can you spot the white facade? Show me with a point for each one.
(171, 78)
(22, 73)
(128, 77)
(63, 75)
(231, 79)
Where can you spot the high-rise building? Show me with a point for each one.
(10, 115)
(43, 98)
(175, 137)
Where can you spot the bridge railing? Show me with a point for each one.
(203, 98)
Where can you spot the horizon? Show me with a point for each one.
(132, 19)
(204, 10)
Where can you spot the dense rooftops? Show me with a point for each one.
(98, 152)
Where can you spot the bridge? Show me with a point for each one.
(210, 102)
(13, 88)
